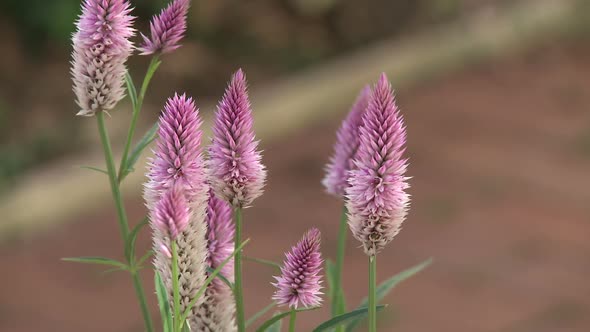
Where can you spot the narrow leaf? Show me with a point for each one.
(344, 318)
(209, 279)
(131, 239)
(143, 258)
(96, 260)
(278, 317)
(163, 303)
(95, 169)
(147, 138)
(222, 278)
(131, 89)
(276, 327)
(263, 261)
(259, 314)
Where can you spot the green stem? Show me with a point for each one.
(122, 216)
(338, 305)
(238, 273)
(154, 63)
(175, 290)
(292, 320)
(372, 294)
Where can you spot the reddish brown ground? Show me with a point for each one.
(500, 159)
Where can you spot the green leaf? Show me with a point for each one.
(222, 278)
(147, 138)
(163, 304)
(385, 287)
(143, 258)
(330, 274)
(209, 279)
(276, 327)
(278, 317)
(131, 89)
(344, 318)
(95, 169)
(131, 239)
(259, 314)
(263, 262)
(96, 260)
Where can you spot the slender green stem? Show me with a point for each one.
(338, 305)
(238, 273)
(372, 294)
(175, 289)
(136, 110)
(292, 320)
(122, 216)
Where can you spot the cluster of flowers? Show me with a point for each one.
(192, 191)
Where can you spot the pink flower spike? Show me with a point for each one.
(377, 201)
(236, 172)
(347, 142)
(166, 28)
(101, 48)
(172, 213)
(300, 282)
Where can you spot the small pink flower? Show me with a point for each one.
(300, 282)
(171, 214)
(167, 29)
(377, 201)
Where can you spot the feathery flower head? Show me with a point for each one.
(377, 202)
(172, 213)
(178, 156)
(217, 312)
(166, 28)
(236, 172)
(347, 142)
(300, 282)
(178, 164)
(101, 47)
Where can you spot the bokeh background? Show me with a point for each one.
(496, 96)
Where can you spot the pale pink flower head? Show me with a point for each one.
(236, 172)
(300, 279)
(178, 157)
(377, 201)
(172, 213)
(347, 142)
(166, 29)
(101, 48)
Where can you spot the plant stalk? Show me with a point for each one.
(292, 320)
(122, 216)
(175, 289)
(238, 291)
(372, 294)
(338, 305)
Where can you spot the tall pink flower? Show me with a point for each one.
(300, 279)
(178, 164)
(217, 312)
(377, 201)
(172, 213)
(166, 28)
(347, 142)
(236, 172)
(101, 48)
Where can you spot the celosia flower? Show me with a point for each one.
(300, 282)
(166, 28)
(236, 173)
(347, 142)
(217, 312)
(101, 47)
(172, 213)
(178, 163)
(376, 198)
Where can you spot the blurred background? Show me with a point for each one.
(496, 97)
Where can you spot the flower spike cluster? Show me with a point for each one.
(347, 142)
(300, 282)
(217, 313)
(178, 170)
(237, 174)
(171, 213)
(166, 29)
(101, 48)
(376, 198)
